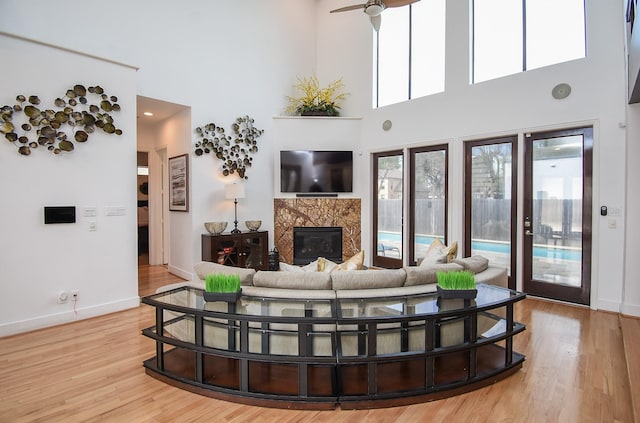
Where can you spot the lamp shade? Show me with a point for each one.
(233, 191)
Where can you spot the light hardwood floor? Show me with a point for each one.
(91, 370)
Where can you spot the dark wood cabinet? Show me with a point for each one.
(246, 249)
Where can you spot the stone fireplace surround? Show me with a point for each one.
(316, 212)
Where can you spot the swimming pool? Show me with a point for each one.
(492, 246)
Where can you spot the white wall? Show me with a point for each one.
(37, 261)
(222, 59)
(510, 105)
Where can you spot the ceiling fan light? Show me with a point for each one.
(374, 10)
(376, 21)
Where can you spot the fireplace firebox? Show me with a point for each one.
(309, 243)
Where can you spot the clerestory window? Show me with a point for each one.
(511, 36)
(409, 53)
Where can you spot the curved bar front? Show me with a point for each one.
(323, 352)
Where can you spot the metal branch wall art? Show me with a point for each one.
(29, 127)
(234, 151)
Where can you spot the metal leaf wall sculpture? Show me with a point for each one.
(234, 151)
(46, 128)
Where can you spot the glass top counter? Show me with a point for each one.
(188, 299)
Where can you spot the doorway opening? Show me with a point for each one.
(143, 207)
(162, 128)
(557, 214)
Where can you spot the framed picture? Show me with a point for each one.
(179, 183)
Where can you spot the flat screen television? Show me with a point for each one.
(308, 171)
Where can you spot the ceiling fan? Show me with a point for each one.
(374, 8)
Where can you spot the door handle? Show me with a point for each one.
(528, 233)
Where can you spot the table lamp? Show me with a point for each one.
(233, 192)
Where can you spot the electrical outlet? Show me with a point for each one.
(63, 297)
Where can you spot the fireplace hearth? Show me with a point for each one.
(309, 243)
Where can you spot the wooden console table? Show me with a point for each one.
(245, 249)
(322, 352)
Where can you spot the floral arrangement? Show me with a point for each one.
(316, 101)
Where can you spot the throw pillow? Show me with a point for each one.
(325, 265)
(439, 253)
(452, 251)
(435, 254)
(354, 263)
(476, 264)
(311, 267)
(286, 267)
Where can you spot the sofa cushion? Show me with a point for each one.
(369, 278)
(421, 275)
(475, 264)
(292, 280)
(205, 268)
(309, 294)
(494, 275)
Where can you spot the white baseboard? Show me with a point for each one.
(608, 305)
(67, 316)
(630, 309)
(180, 272)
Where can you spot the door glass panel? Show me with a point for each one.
(490, 208)
(557, 210)
(429, 192)
(389, 201)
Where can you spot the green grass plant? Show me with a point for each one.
(456, 280)
(220, 282)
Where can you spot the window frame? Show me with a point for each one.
(524, 68)
(376, 66)
(412, 259)
(377, 260)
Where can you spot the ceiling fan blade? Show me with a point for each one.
(399, 3)
(376, 21)
(345, 9)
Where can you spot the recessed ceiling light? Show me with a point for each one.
(148, 114)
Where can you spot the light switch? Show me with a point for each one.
(615, 211)
(115, 211)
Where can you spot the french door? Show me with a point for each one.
(491, 200)
(557, 214)
(428, 189)
(388, 199)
